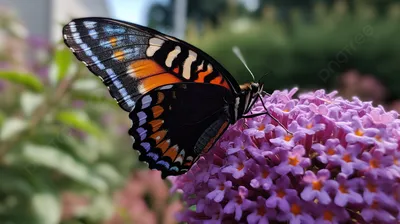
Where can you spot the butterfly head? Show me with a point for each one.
(249, 95)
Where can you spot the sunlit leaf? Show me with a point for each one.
(54, 158)
(28, 80)
(109, 173)
(61, 66)
(101, 209)
(46, 207)
(89, 84)
(80, 121)
(29, 102)
(11, 127)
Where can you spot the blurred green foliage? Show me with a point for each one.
(56, 138)
(311, 54)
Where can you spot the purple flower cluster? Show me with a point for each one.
(341, 165)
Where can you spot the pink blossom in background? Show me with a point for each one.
(145, 199)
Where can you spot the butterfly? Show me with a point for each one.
(180, 100)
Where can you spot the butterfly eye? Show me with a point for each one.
(255, 85)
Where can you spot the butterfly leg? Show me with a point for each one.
(265, 93)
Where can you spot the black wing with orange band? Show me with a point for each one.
(132, 59)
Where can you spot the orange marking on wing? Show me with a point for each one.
(145, 68)
(176, 70)
(119, 55)
(163, 146)
(160, 97)
(217, 81)
(156, 124)
(172, 153)
(158, 136)
(225, 84)
(202, 75)
(157, 111)
(113, 41)
(212, 140)
(152, 82)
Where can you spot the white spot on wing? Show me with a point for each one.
(89, 24)
(178, 160)
(171, 56)
(154, 44)
(72, 26)
(93, 34)
(188, 63)
(141, 89)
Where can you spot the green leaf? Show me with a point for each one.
(12, 127)
(79, 120)
(28, 80)
(30, 101)
(61, 66)
(88, 84)
(47, 207)
(94, 98)
(101, 209)
(109, 173)
(14, 180)
(2, 118)
(53, 158)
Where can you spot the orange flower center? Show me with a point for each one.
(261, 211)
(286, 110)
(374, 163)
(239, 200)
(371, 187)
(347, 158)
(240, 166)
(309, 126)
(343, 189)
(374, 205)
(281, 193)
(359, 132)
(265, 174)
(330, 151)
(295, 209)
(317, 185)
(293, 161)
(288, 137)
(395, 161)
(328, 215)
(261, 127)
(378, 138)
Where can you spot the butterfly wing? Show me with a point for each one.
(132, 59)
(174, 124)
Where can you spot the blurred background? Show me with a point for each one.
(65, 155)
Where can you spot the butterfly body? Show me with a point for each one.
(179, 99)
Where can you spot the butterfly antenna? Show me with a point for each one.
(238, 54)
